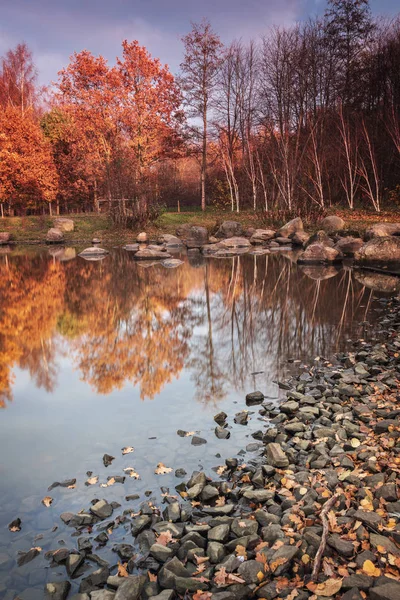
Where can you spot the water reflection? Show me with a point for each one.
(123, 324)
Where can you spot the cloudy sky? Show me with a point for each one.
(54, 29)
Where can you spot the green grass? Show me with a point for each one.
(33, 229)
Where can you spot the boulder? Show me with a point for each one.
(5, 237)
(54, 236)
(229, 229)
(379, 250)
(210, 249)
(300, 238)
(151, 254)
(142, 237)
(170, 240)
(276, 456)
(57, 590)
(319, 253)
(320, 237)
(332, 223)
(262, 235)
(195, 237)
(382, 230)
(348, 246)
(131, 247)
(93, 251)
(63, 224)
(235, 242)
(290, 228)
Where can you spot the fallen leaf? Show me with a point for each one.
(92, 480)
(200, 569)
(305, 559)
(221, 470)
(241, 551)
(132, 473)
(111, 481)
(220, 501)
(261, 558)
(122, 572)
(370, 569)
(47, 501)
(199, 595)
(201, 559)
(162, 469)
(189, 433)
(152, 576)
(330, 587)
(277, 563)
(165, 538)
(127, 450)
(260, 576)
(355, 442)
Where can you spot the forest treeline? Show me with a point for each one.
(304, 118)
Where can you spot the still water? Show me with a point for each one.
(96, 356)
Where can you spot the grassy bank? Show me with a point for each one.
(33, 229)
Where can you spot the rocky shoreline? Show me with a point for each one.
(313, 514)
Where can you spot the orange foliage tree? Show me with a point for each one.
(27, 172)
(127, 114)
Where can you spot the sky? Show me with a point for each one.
(54, 29)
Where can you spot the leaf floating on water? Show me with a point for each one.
(111, 481)
(47, 501)
(122, 571)
(127, 450)
(221, 470)
(92, 480)
(131, 472)
(189, 433)
(15, 525)
(162, 469)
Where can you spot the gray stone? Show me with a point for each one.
(382, 230)
(160, 552)
(343, 547)
(348, 246)
(387, 591)
(332, 223)
(287, 553)
(220, 533)
(131, 588)
(54, 236)
(276, 456)
(229, 229)
(379, 250)
(254, 398)
(249, 570)
(258, 496)
(318, 253)
(63, 224)
(57, 590)
(235, 242)
(262, 235)
(291, 228)
(102, 509)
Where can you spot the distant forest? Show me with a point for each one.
(305, 118)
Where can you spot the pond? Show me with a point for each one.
(98, 356)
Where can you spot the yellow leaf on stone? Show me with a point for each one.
(260, 575)
(305, 559)
(370, 569)
(303, 491)
(355, 442)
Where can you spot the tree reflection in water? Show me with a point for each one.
(119, 322)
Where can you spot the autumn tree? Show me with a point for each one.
(18, 79)
(199, 69)
(27, 173)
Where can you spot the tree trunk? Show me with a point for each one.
(204, 163)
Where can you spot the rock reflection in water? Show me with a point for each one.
(221, 319)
